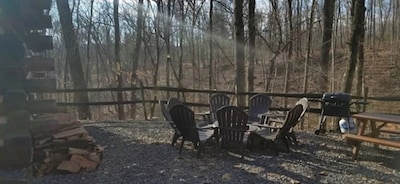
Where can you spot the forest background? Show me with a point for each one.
(291, 46)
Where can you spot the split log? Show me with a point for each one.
(65, 147)
(77, 151)
(86, 164)
(69, 133)
(70, 166)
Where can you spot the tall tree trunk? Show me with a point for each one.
(157, 40)
(333, 79)
(360, 63)
(329, 7)
(299, 40)
(210, 68)
(277, 22)
(275, 7)
(358, 14)
(252, 44)
(117, 52)
(73, 57)
(181, 45)
(135, 56)
(167, 37)
(290, 49)
(310, 26)
(192, 44)
(372, 24)
(89, 33)
(239, 52)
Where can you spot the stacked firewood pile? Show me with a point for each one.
(64, 147)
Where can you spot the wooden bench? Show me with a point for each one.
(371, 119)
(389, 130)
(361, 138)
(379, 141)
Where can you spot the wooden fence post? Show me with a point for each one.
(153, 108)
(143, 99)
(365, 95)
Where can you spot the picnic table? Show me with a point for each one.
(377, 123)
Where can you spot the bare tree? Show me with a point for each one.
(329, 7)
(157, 42)
(310, 32)
(181, 44)
(135, 56)
(210, 69)
(89, 33)
(299, 22)
(252, 44)
(73, 58)
(358, 14)
(360, 63)
(239, 52)
(289, 49)
(117, 52)
(167, 39)
(193, 53)
(371, 35)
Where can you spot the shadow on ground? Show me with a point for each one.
(140, 152)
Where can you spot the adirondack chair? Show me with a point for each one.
(277, 120)
(217, 101)
(281, 133)
(259, 105)
(173, 101)
(183, 117)
(232, 123)
(168, 118)
(291, 135)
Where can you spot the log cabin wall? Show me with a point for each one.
(24, 71)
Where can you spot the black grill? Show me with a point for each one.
(336, 104)
(333, 104)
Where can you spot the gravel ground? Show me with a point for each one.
(140, 152)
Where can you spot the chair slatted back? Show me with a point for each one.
(259, 104)
(291, 120)
(165, 111)
(304, 103)
(232, 125)
(217, 101)
(172, 102)
(183, 118)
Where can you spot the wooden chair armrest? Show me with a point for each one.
(265, 126)
(251, 127)
(265, 118)
(266, 114)
(207, 113)
(209, 126)
(281, 121)
(277, 116)
(213, 125)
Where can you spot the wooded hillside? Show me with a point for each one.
(289, 46)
